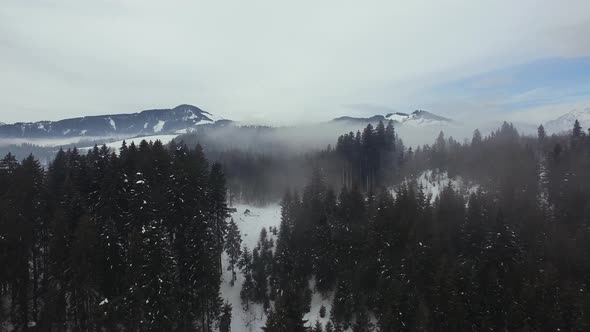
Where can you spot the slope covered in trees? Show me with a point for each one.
(134, 241)
(113, 242)
(512, 256)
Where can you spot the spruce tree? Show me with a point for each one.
(233, 248)
(225, 319)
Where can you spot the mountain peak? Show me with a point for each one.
(428, 115)
(188, 107)
(566, 121)
(418, 117)
(179, 119)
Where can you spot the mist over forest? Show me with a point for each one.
(294, 166)
(139, 238)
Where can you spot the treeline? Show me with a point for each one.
(368, 158)
(513, 255)
(261, 169)
(104, 241)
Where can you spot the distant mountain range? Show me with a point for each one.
(565, 122)
(177, 120)
(187, 118)
(418, 117)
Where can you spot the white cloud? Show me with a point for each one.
(262, 60)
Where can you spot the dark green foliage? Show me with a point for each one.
(233, 247)
(512, 255)
(133, 241)
(225, 319)
(318, 327)
(104, 241)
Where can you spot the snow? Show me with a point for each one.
(158, 127)
(433, 183)
(112, 122)
(566, 121)
(317, 300)
(48, 142)
(250, 226)
(397, 117)
(114, 146)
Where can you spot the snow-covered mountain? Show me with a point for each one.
(416, 118)
(179, 119)
(566, 121)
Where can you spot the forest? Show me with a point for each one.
(133, 240)
(107, 242)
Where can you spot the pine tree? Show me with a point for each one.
(541, 135)
(150, 296)
(329, 327)
(318, 327)
(217, 196)
(577, 135)
(245, 265)
(225, 319)
(233, 248)
(286, 317)
(476, 140)
(322, 311)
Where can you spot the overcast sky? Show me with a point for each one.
(288, 61)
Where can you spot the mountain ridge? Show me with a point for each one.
(417, 117)
(565, 122)
(179, 119)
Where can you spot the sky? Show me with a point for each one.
(279, 62)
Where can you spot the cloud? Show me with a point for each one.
(263, 60)
(373, 109)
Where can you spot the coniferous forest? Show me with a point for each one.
(133, 240)
(112, 242)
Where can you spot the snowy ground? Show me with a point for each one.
(317, 301)
(51, 142)
(114, 146)
(433, 183)
(250, 225)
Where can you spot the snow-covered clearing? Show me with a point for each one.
(114, 146)
(159, 126)
(50, 142)
(317, 301)
(433, 183)
(250, 225)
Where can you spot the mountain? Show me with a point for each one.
(363, 121)
(566, 121)
(418, 117)
(180, 119)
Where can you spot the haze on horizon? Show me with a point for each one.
(281, 63)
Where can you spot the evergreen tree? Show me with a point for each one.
(233, 248)
(318, 327)
(322, 311)
(217, 195)
(225, 319)
(329, 327)
(541, 135)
